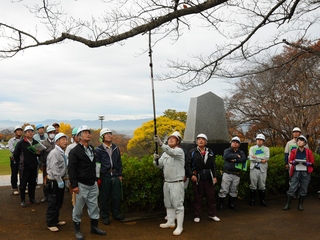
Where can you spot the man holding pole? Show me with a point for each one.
(172, 162)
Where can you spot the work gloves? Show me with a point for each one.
(61, 184)
(158, 140)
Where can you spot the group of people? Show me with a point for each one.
(94, 175)
(199, 165)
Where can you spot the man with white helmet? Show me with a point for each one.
(231, 174)
(41, 135)
(302, 162)
(201, 169)
(27, 158)
(108, 155)
(49, 143)
(13, 164)
(56, 169)
(259, 157)
(83, 180)
(292, 144)
(172, 162)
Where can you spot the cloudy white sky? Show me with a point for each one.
(71, 81)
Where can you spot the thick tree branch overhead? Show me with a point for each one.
(240, 32)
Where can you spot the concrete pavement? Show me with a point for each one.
(5, 180)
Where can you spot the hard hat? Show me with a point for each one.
(83, 128)
(236, 139)
(16, 128)
(50, 129)
(296, 129)
(56, 124)
(104, 130)
(74, 131)
(202, 135)
(40, 125)
(261, 136)
(29, 127)
(176, 134)
(58, 136)
(303, 138)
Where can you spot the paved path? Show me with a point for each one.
(245, 223)
(5, 180)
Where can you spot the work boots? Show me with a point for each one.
(253, 198)
(171, 214)
(95, 229)
(287, 206)
(262, 195)
(300, 206)
(221, 202)
(231, 203)
(179, 229)
(79, 235)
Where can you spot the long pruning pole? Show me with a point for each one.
(153, 98)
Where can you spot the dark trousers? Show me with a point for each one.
(204, 189)
(55, 200)
(14, 174)
(110, 193)
(28, 177)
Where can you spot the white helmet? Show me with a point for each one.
(260, 136)
(104, 131)
(177, 135)
(83, 128)
(296, 129)
(303, 138)
(59, 135)
(50, 128)
(202, 135)
(16, 128)
(236, 139)
(29, 127)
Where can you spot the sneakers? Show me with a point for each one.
(196, 219)
(53, 229)
(43, 200)
(215, 218)
(61, 223)
(15, 192)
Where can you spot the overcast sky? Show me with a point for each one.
(71, 81)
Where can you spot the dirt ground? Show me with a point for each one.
(245, 223)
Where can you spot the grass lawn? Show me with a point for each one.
(5, 162)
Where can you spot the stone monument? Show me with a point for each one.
(207, 115)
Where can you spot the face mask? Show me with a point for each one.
(72, 140)
(51, 135)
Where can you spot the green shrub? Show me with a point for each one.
(143, 182)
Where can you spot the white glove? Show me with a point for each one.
(158, 140)
(156, 157)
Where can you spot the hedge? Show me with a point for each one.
(142, 181)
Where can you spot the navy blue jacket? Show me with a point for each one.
(228, 155)
(113, 168)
